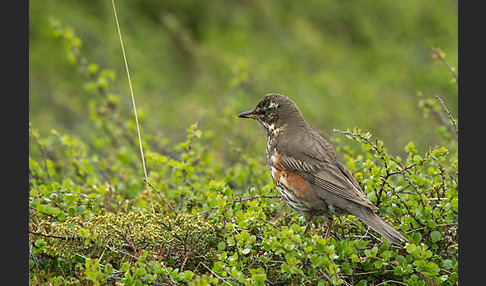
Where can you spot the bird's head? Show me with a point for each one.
(274, 111)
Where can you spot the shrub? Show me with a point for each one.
(94, 221)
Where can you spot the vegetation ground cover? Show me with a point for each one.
(93, 220)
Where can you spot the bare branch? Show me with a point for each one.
(145, 180)
(450, 115)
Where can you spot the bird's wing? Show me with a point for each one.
(327, 172)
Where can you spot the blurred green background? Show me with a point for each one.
(345, 64)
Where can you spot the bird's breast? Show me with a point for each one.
(293, 188)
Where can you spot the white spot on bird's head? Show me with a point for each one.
(273, 105)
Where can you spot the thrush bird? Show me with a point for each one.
(307, 170)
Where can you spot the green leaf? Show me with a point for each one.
(221, 246)
(125, 266)
(230, 241)
(316, 260)
(375, 171)
(455, 203)
(417, 159)
(71, 211)
(264, 259)
(411, 247)
(246, 251)
(386, 254)
(61, 216)
(399, 270)
(45, 191)
(40, 243)
(410, 147)
(229, 227)
(378, 264)
(139, 272)
(367, 147)
(435, 235)
(346, 268)
(447, 264)
(417, 237)
(371, 252)
(400, 259)
(187, 275)
(108, 269)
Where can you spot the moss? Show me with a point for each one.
(174, 240)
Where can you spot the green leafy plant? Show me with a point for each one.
(93, 221)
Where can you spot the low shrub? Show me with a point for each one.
(93, 220)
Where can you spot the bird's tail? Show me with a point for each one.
(376, 223)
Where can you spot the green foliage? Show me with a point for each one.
(93, 220)
(345, 64)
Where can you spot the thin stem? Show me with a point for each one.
(439, 56)
(133, 102)
(148, 183)
(450, 115)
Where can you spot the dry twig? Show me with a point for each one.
(450, 115)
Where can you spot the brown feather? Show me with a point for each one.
(327, 173)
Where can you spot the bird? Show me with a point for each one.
(307, 171)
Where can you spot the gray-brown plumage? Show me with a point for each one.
(307, 170)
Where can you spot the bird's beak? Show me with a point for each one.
(247, 114)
